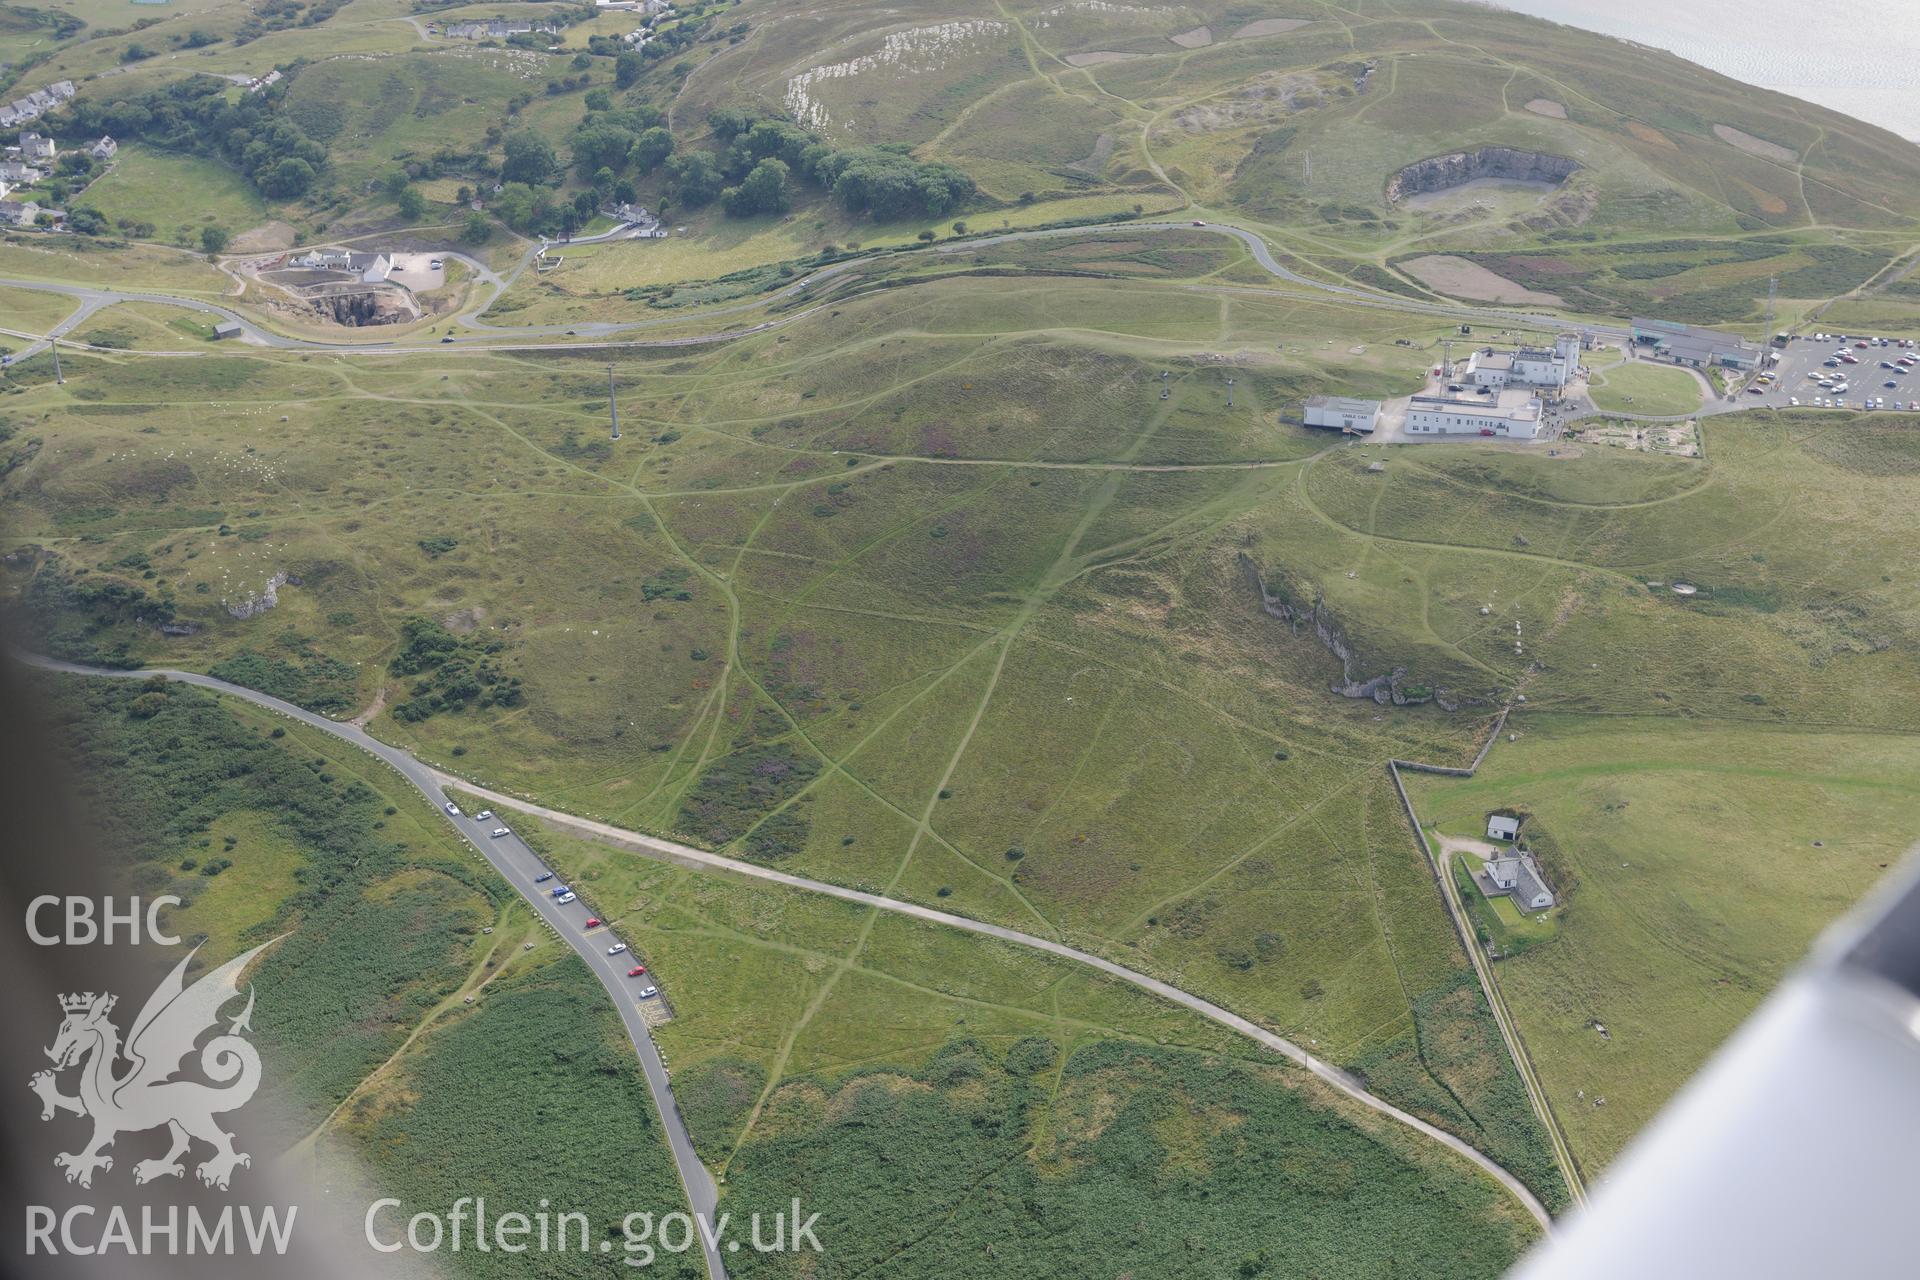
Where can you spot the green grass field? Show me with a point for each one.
(34, 311)
(177, 194)
(892, 596)
(1651, 389)
(805, 1027)
(1696, 863)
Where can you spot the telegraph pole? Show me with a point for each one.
(613, 407)
(58, 377)
(1773, 287)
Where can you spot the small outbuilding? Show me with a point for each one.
(1501, 827)
(1340, 413)
(226, 329)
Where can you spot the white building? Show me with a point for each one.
(323, 260)
(104, 149)
(1520, 879)
(37, 149)
(1549, 368)
(1501, 827)
(16, 213)
(378, 270)
(1341, 413)
(1509, 414)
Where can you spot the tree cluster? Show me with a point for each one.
(193, 115)
(762, 155)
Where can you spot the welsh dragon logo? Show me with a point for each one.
(146, 1095)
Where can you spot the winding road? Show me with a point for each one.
(513, 861)
(600, 335)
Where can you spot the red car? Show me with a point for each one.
(636, 971)
(593, 922)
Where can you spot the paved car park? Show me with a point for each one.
(1808, 359)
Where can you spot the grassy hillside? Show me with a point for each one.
(992, 575)
(1698, 862)
(940, 1096)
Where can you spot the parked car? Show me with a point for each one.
(543, 877)
(500, 831)
(564, 899)
(483, 815)
(616, 948)
(636, 971)
(646, 992)
(559, 889)
(453, 809)
(593, 922)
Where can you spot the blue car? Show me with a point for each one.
(544, 875)
(561, 891)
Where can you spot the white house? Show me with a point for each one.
(1341, 413)
(378, 270)
(104, 149)
(1501, 827)
(17, 213)
(37, 149)
(1519, 878)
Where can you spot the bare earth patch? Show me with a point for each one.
(1095, 59)
(1647, 133)
(1766, 200)
(1198, 38)
(1269, 27)
(1463, 278)
(1547, 107)
(1754, 146)
(264, 238)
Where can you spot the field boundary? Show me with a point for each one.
(1483, 968)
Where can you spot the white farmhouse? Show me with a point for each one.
(1519, 878)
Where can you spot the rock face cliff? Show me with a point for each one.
(1391, 688)
(252, 606)
(1441, 172)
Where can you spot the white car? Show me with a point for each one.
(565, 898)
(616, 948)
(1794, 401)
(649, 991)
(483, 815)
(453, 810)
(500, 831)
